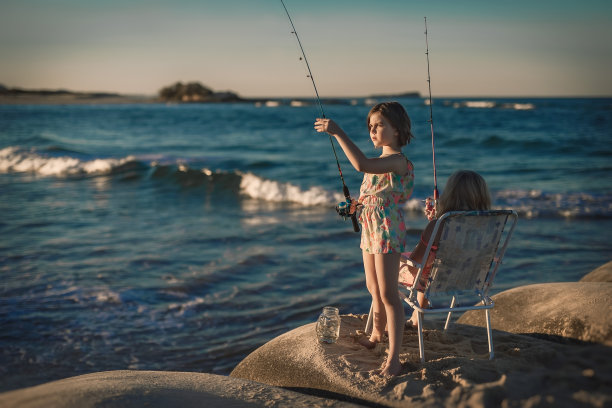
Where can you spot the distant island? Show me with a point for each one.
(191, 92)
(195, 92)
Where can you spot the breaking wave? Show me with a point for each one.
(528, 203)
(17, 160)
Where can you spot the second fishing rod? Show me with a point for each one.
(345, 190)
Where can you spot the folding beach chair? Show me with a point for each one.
(471, 246)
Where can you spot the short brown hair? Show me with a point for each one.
(397, 116)
(465, 190)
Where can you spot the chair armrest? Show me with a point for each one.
(409, 262)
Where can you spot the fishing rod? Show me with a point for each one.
(345, 190)
(433, 146)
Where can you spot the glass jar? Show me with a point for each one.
(328, 325)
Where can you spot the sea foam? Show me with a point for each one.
(275, 191)
(528, 203)
(18, 160)
(537, 203)
(491, 104)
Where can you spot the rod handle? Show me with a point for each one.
(355, 223)
(347, 195)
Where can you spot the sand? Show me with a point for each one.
(552, 344)
(526, 371)
(552, 347)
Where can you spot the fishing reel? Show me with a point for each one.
(348, 209)
(344, 209)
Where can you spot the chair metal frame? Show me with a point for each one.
(483, 278)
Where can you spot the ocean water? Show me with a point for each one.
(183, 237)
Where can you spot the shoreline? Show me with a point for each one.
(560, 360)
(70, 98)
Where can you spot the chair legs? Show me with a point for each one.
(368, 328)
(370, 324)
(489, 334)
(449, 313)
(420, 329)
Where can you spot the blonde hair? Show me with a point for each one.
(465, 190)
(397, 116)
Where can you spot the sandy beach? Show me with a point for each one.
(552, 348)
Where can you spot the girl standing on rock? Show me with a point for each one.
(388, 182)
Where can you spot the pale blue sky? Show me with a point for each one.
(355, 47)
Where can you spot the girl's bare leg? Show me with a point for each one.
(378, 309)
(387, 271)
(423, 302)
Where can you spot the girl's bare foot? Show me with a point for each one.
(371, 342)
(392, 369)
(367, 343)
(413, 322)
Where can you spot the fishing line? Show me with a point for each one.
(345, 190)
(433, 146)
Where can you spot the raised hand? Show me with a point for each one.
(430, 209)
(327, 126)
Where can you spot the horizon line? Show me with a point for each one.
(302, 97)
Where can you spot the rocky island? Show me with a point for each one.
(195, 92)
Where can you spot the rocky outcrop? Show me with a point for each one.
(195, 92)
(564, 311)
(159, 389)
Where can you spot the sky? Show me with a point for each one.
(354, 47)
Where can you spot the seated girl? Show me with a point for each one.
(465, 190)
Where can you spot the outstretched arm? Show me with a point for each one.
(359, 160)
(419, 250)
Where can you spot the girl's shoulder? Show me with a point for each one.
(408, 165)
(400, 164)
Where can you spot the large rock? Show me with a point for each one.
(137, 389)
(568, 310)
(601, 274)
(526, 371)
(297, 360)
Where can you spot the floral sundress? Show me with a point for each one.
(382, 219)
